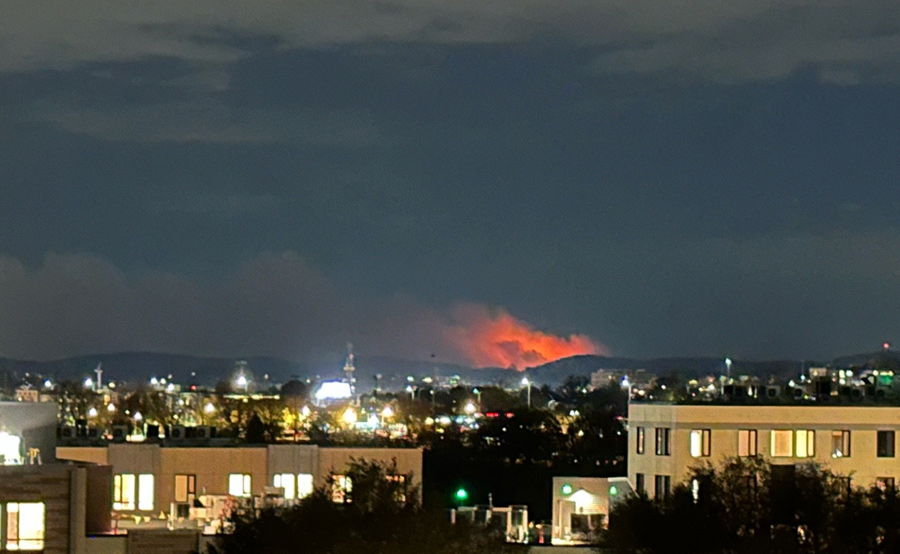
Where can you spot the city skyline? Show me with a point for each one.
(482, 183)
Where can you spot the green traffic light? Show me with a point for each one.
(462, 494)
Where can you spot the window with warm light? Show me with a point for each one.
(840, 444)
(747, 442)
(662, 441)
(123, 491)
(288, 483)
(145, 491)
(341, 486)
(185, 487)
(304, 485)
(239, 484)
(805, 443)
(782, 443)
(641, 440)
(24, 526)
(701, 443)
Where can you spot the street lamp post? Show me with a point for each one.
(527, 383)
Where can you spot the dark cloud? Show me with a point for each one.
(743, 39)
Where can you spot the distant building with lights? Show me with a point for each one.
(149, 478)
(666, 440)
(581, 506)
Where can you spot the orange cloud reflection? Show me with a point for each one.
(494, 338)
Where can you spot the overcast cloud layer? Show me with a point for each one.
(475, 180)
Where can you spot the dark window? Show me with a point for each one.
(663, 486)
(885, 483)
(639, 485)
(885, 444)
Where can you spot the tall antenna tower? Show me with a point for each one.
(349, 368)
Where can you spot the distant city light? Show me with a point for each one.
(566, 489)
(470, 408)
(48, 384)
(138, 416)
(110, 407)
(305, 411)
(462, 494)
(349, 416)
(209, 408)
(334, 390)
(88, 383)
(241, 381)
(92, 412)
(387, 412)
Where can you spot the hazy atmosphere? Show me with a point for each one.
(490, 183)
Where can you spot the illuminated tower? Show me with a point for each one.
(349, 368)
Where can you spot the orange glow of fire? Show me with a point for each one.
(494, 338)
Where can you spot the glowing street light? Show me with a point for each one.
(138, 417)
(242, 381)
(209, 408)
(527, 383)
(92, 412)
(349, 416)
(728, 367)
(88, 383)
(305, 411)
(48, 384)
(387, 412)
(470, 408)
(111, 408)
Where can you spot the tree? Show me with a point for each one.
(381, 515)
(747, 505)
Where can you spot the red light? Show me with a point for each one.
(509, 414)
(886, 345)
(491, 414)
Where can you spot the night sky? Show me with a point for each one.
(491, 182)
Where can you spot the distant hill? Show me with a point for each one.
(131, 366)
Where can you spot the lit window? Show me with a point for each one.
(185, 486)
(400, 491)
(885, 444)
(145, 492)
(840, 444)
(304, 485)
(123, 491)
(782, 443)
(341, 487)
(806, 443)
(641, 439)
(747, 442)
(24, 526)
(662, 441)
(287, 482)
(239, 484)
(700, 442)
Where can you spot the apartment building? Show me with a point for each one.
(665, 440)
(154, 478)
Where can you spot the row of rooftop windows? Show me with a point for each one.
(132, 491)
(783, 443)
